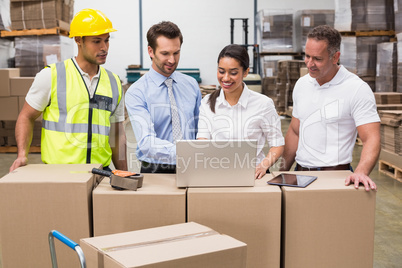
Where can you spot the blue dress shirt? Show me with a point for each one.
(148, 107)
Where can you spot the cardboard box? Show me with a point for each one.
(9, 108)
(19, 86)
(249, 214)
(181, 245)
(328, 224)
(38, 198)
(157, 203)
(5, 75)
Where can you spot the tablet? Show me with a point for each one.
(292, 180)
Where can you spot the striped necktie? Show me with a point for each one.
(176, 129)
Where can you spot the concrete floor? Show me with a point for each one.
(388, 223)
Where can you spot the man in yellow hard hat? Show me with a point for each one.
(81, 102)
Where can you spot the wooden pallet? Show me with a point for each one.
(13, 149)
(368, 33)
(390, 170)
(51, 31)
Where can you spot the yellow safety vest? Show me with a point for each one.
(75, 127)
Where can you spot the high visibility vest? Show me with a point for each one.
(76, 127)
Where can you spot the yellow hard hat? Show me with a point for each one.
(90, 22)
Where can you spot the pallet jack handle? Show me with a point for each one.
(67, 241)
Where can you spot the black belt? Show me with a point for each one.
(157, 168)
(338, 167)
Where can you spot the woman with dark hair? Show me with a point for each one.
(236, 112)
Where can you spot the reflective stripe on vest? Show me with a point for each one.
(62, 125)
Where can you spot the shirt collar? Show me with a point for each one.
(243, 100)
(84, 73)
(338, 78)
(158, 78)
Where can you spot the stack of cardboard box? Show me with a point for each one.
(42, 14)
(13, 90)
(364, 15)
(306, 20)
(270, 89)
(33, 53)
(159, 225)
(386, 74)
(391, 131)
(359, 55)
(270, 64)
(276, 31)
(359, 51)
(207, 89)
(288, 74)
(8, 104)
(388, 98)
(36, 199)
(399, 62)
(398, 16)
(389, 106)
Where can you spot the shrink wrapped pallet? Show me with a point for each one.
(4, 15)
(7, 51)
(399, 63)
(386, 67)
(398, 16)
(270, 64)
(359, 54)
(306, 20)
(33, 53)
(276, 30)
(364, 15)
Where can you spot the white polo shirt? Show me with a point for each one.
(38, 96)
(253, 117)
(329, 115)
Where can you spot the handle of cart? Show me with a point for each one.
(70, 243)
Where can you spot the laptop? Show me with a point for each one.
(215, 163)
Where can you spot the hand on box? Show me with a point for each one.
(357, 178)
(19, 162)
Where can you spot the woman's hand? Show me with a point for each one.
(262, 168)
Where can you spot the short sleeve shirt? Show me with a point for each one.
(329, 115)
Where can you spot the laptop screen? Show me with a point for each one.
(211, 163)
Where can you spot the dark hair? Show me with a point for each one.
(165, 28)
(236, 52)
(328, 34)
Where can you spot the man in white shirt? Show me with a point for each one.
(330, 106)
(81, 102)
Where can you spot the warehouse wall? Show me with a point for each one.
(205, 26)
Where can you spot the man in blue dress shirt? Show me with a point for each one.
(149, 106)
